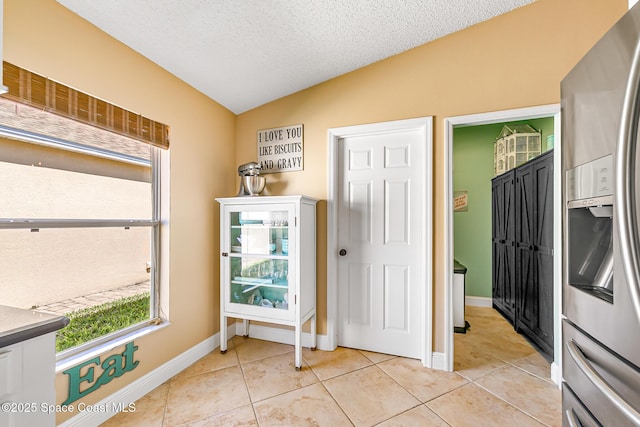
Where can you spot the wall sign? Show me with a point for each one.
(111, 367)
(460, 201)
(280, 149)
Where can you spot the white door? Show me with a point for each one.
(380, 241)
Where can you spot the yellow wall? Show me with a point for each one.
(512, 61)
(43, 36)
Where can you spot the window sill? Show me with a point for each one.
(66, 360)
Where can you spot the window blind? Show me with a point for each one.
(32, 89)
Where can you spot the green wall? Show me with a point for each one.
(472, 172)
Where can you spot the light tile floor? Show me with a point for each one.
(499, 380)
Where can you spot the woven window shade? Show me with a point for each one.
(38, 91)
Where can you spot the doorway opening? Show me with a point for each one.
(482, 296)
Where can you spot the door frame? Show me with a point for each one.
(425, 126)
(550, 110)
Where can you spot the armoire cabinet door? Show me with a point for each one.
(534, 251)
(503, 242)
(543, 247)
(527, 306)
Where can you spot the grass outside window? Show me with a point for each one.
(95, 322)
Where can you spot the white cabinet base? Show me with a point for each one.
(297, 335)
(29, 388)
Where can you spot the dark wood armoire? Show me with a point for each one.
(522, 240)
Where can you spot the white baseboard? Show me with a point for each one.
(438, 361)
(283, 335)
(478, 301)
(144, 385)
(556, 374)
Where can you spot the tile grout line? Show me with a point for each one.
(373, 363)
(229, 410)
(508, 364)
(547, 380)
(334, 399)
(166, 402)
(308, 365)
(251, 401)
(511, 404)
(337, 376)
(416, 397)
(244, 378)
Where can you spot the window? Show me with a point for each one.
(80, 216)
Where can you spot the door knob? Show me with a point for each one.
(342, 252)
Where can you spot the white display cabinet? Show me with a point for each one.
(268, 264)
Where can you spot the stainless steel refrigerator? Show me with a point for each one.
(601, 242)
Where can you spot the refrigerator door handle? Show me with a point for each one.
(624, 211)
(601, 384)
(571, 418)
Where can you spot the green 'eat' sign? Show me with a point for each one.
(111, 367)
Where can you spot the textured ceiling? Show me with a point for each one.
(245, 53)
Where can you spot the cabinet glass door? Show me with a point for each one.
(259, 264)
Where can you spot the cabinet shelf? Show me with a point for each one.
(257, 255)
(253, 284)
(270, 226)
